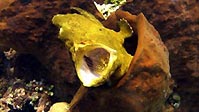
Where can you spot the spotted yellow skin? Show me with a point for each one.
(83, 33)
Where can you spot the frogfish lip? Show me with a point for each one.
(95, 64)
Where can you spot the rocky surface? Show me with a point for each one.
(26, 26)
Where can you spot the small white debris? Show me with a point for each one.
(107, 9)
(10, 54)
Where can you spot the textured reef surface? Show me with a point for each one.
(40, 61)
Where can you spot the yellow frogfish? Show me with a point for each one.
(97, 52)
